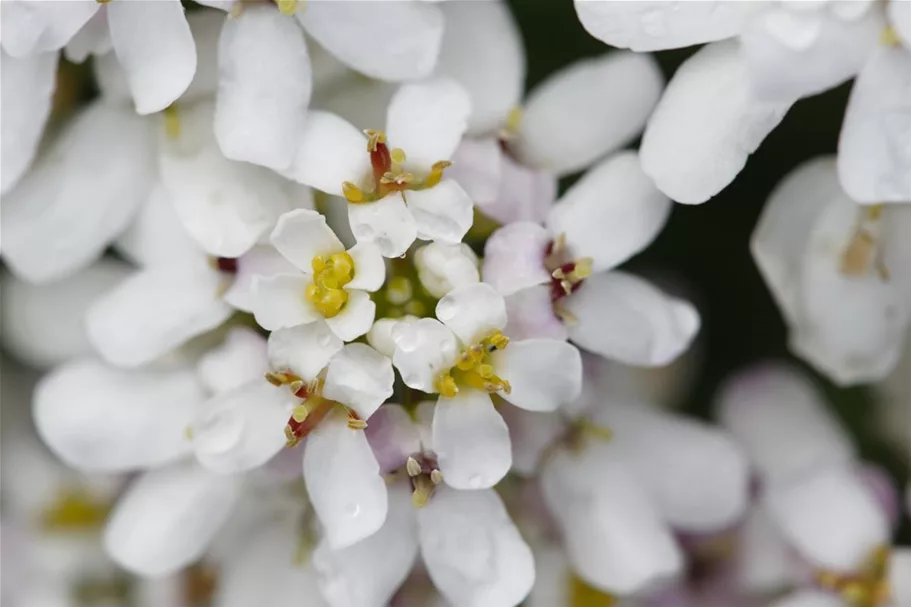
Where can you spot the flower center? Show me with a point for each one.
(863, 251)
(330, 275)
(74, 509)
(388, 172)
(474, 368)
(313, 409)
(566, 273)
(424, 475)
(867, 588)
(583, 595)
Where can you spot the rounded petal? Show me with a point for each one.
(263, 88)
(154, 45)
(154, 311)
(380, 336)
(387, 223)
(43, 324)
(407, 48)
(900, 18)
(483, 51)
(394, 437)
(240, 358)
(304, 350)
(642, 26)
(442, 267)
(779, 418)
(344, 483)
(587, 110)
(612, 213)
(157, 236)
(28, 87)
(543, 373)
(477, 167)
(95, 417)
(531, 433)
(472, 311)
(706, 125)
(279, 301)
(830, 517)
(623, 317)
(874, 156)
(356, 317)
(301, 235)
(471, 440)
(900, 575)
(423, 348)
(369, 267)
(427, 120)
(242, 428)
(514, 257)
(258, 261)
(64, 199)
(614, 535)
(697, 476)
(168, 517)
(360, 378)
(473, 551)
(331, 152)
(35, 27)
(525, 194)
(441, 213)
(531, 314)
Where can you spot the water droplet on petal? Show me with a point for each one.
(446, 309)
(352, 510)
(475, 481)
(217, 432)
(405, 337)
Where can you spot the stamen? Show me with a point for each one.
(889, 37)
(867, 588)
(473, 368)
(355, 422)
(513, 122)
(172, 126)
(330, 275)
(436, 173)
(862, 252)
(352, 193)
(287, 7)
(412, 466)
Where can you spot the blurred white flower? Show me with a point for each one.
(443, 267)
(557, 279)
(839, 272)
(466, 358)
(395, 194)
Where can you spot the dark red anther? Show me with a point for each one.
(302, 392)
(228, 265)
(381, 161)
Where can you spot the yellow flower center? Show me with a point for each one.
(583, 595)
(867, 588)
(474, 368)
(330, 275)
(74, 509)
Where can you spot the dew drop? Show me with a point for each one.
(446, 309)
(352, 510)
(405, 337)
(217, 433)
(475, 481)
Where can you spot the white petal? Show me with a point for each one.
(302, 235)
(427, 119)
(900, 575)
(443, 212)
(240, 358)
(779, 418)
(483, 51)
(263, 89)
(809, 598)
(36, 27)
(67, 201)
(474, 553)
(874, 153)
(623, 317)
(168, 517)
(544, 373)
(360, 378)
(612, 213)
(369, 267)
(706, 125)
(356, 317)
(243, 428)
(380, 336)
(587, 110)
(472, 311)
(361, 101)
(531, 314)
(155, 311)
(280, 301)
(27, 90)
(368, 573)
(387, 223)
(331, 152)
(514, 257)
(93, 39)
(614, 536)
(99, 418)
(477, 167)
(531, 433)
(43, 324)
(258, 261)
(157, 236)
(344, 483)
(780, 72)
(406, 49)
(394, 436)
(423, 348)
(900, 18)
(765, 562)
(471, 440)
(830, 517)
(525, 194)
(697, 476)
(154, 45)
(206, 27)
(304, 350)
(645, 26)
(443, 267)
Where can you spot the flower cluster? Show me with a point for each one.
(310, 299)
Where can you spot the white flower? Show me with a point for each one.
(396, 191)
(724, 100)
(557, 279)
(812, 492)
(443, 267)
(839, 272)
(319, 390)
(466, 358)
(333, 284)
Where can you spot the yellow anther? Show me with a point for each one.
(330, 275)
(287, 7)
(188, 433)
(397, 155)
(172, 122)
(582, 269)
(595, 430)
(513, 122)
(485, 371)
(412, 467)
(74, 508)
(559, 243)
(889, 37)
(497, 340)
(446, 386)
(352, 192)
(436, 477)
(355, 422)
(436, 173)
(280, 378)
(423, 489)
(342, 266)
(300, 413)
(374, 138)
